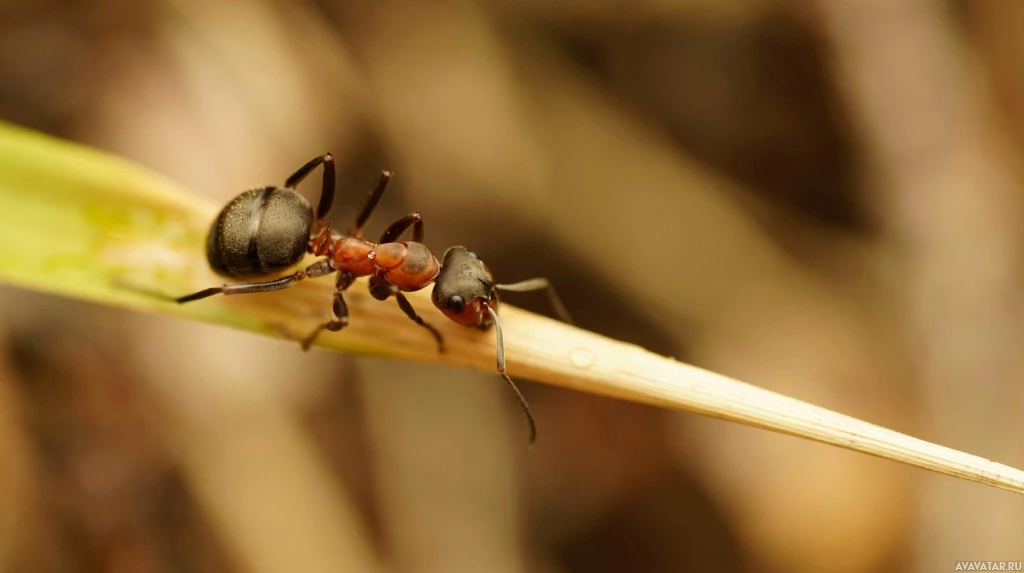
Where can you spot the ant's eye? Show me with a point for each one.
(456, 304)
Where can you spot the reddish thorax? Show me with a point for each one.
(408, 265)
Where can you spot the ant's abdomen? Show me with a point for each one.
(409, 266)
(262, 231)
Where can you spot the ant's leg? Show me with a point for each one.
(396, 229)
(371, 202)
(317, 269)
(334, 325)
(345, 280)
(409, 311)
(382, 290)
(538, 284)
(327, 188)
(340, 308)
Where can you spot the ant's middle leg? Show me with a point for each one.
(395, 230)
(317, 269)
(340, 309)
(381, 290)
(371, 202)
(327, 187)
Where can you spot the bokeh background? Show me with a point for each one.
(821, 197)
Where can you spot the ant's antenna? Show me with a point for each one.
(511, 384)
(538, 284)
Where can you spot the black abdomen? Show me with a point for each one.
(260, 232)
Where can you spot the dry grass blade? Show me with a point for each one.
(77, 222)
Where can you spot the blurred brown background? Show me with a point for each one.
(820, 197)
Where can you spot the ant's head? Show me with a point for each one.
(465, 292)
(464, 289)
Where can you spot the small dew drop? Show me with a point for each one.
(582, 358)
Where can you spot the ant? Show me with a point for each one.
(269, 229)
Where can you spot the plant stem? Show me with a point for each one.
(81, 223)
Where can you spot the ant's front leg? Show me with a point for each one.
(317, 269)
(340, 309)
(382, 290)
(395, 230)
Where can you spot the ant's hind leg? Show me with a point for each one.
(327, 187)
(317, 269)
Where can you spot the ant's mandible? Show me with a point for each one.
(269, 229)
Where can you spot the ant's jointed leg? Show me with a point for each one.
(396, 229)
(382, 290)
(327, 188)
(409, 311)
(317, 269)
(340, 309)
(371, 203)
